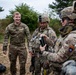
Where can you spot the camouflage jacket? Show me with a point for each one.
(66, 51)
(17, 35)
(35, 43)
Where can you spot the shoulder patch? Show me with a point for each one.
(71, 48)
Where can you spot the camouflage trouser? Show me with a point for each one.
(21, 52)
(55, 68)
(36, 64)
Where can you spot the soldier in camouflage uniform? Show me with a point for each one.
(17, 32)
(35, 43)
(67, 49)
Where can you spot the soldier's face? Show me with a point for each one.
(17, 18)
(64, 22)
(43, 25)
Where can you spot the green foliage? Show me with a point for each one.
(29, 16)
(58, 5)
(3, 24)
(55, 24)
(1, 9)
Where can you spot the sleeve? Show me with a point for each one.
(64, 53)
(6, 37)
(27, 34)
(52, 38)
(30, 43)
(53, 35)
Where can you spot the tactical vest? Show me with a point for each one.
(36, 36)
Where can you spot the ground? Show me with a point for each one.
(4, 60)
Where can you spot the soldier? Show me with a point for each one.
(17, 32)
(67, 48)
(44, 28)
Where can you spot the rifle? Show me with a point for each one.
(45, 70)
(43, 42)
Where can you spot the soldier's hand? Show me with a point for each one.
(42, 48)
(43, 35)
(5, 52)
(31, 53)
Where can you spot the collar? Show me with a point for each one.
(41, 30)
(16, 24)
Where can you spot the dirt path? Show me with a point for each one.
(4, 59)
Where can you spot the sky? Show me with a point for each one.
(38, 5)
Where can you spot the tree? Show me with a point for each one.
(58, 5)
(29, 16)
(1, 9)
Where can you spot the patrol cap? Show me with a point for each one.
(43, 18)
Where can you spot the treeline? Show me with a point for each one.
(54, 23)
(30, 17)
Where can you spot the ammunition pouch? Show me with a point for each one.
(46, 65)
(36, 50)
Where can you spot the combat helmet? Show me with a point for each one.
(43, 18)
(69, 12)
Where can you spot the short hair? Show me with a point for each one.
(16, 13)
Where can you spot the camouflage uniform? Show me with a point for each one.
(35, 43)
(67, 48)
(64, 52)
(17, 45)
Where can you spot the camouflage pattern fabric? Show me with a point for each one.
(44, 18)
(35, 44)
(68, 12)
(66, 52)
(15, 51)
(17, 36)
